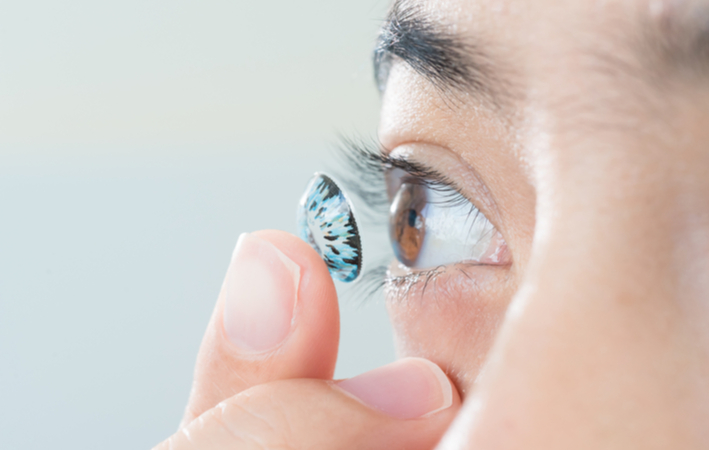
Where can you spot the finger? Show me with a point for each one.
(276, 318)
(406, 404)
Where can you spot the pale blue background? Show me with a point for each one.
(137, 140)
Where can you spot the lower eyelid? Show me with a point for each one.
(442, 282)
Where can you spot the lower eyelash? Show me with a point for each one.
(400, 286)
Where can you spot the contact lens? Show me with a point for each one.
(326, 221)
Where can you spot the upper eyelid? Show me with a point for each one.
(433, 179)
(426, 175)
(440, 185)
(474, 189)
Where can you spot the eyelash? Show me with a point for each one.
(366, 165)
(370, 164)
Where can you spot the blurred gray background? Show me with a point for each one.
(138, 139)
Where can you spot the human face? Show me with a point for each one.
(579, 129)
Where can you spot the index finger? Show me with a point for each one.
(276, 318)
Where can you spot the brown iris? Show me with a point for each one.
(407, 224)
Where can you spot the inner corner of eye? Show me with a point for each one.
(437, 227)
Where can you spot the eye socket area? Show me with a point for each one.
(431, 224)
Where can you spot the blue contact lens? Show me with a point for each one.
(326, 221)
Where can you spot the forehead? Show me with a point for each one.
(615, 19)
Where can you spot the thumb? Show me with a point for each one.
(405, 404)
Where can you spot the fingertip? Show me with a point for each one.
(410, 388)
(299, 251)
(317, 311)
(446, 386)
(260, 291)
(253, 337)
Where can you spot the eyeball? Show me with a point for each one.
(326, 221)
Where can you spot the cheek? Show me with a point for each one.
(452, 321)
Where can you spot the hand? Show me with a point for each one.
(263, 377)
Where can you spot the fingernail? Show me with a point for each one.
(405, 389)
(260, 294)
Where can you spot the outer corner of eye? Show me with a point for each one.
(498, 252)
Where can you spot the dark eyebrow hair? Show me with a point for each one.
(441, 57)
(678, 40)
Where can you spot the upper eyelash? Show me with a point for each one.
(363, 174)
(370, 162)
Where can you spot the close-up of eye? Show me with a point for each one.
(430, 221)
(431, 224)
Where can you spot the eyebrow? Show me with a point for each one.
(441, 57)
(678, 40)
(451, 63)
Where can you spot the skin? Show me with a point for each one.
(594, 168)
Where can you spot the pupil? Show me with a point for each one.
(407, 222)
(412, 217)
